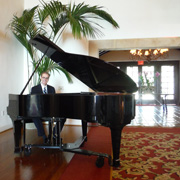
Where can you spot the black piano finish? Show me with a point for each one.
(112, 104)
(69, 105)
(108, 109)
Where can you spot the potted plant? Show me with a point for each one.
(147, 83)
(50, 19)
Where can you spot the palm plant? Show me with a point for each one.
(50, 20)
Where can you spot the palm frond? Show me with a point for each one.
(80, 15)
(42, 15)
(57, 13)
(54, 8)
(25, 28)
(58, 23)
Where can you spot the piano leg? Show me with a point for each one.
(84, 129)
(17, 135)
(116, 143)
(59, 126)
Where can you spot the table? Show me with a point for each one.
(163, 96)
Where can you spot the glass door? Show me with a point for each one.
(162, 77)
(147, 85)
(153, 85)
(132, 71)
(167, 82)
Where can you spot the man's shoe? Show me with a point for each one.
(47, 141)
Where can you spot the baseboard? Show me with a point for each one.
(5, 128)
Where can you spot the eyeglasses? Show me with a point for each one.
(45, 77)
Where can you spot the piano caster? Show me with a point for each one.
(100, 162)
(116, 163)
(27, 150)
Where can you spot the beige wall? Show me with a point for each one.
(11, 60)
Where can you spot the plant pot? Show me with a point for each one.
(147, 89)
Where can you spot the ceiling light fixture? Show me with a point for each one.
(148, 54)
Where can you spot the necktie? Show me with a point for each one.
(45, 92)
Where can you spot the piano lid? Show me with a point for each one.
(95, 73)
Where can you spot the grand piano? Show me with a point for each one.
(111, 102)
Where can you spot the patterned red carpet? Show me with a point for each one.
(149, 153)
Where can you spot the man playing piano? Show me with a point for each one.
(43, 88)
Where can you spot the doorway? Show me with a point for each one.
(160, 77)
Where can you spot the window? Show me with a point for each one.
(148, 71)
(132, 71)
(167, 81)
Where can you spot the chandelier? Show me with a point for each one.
(148, 55)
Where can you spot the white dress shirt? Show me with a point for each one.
(42, 85)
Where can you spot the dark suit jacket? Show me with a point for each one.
(38, 89)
